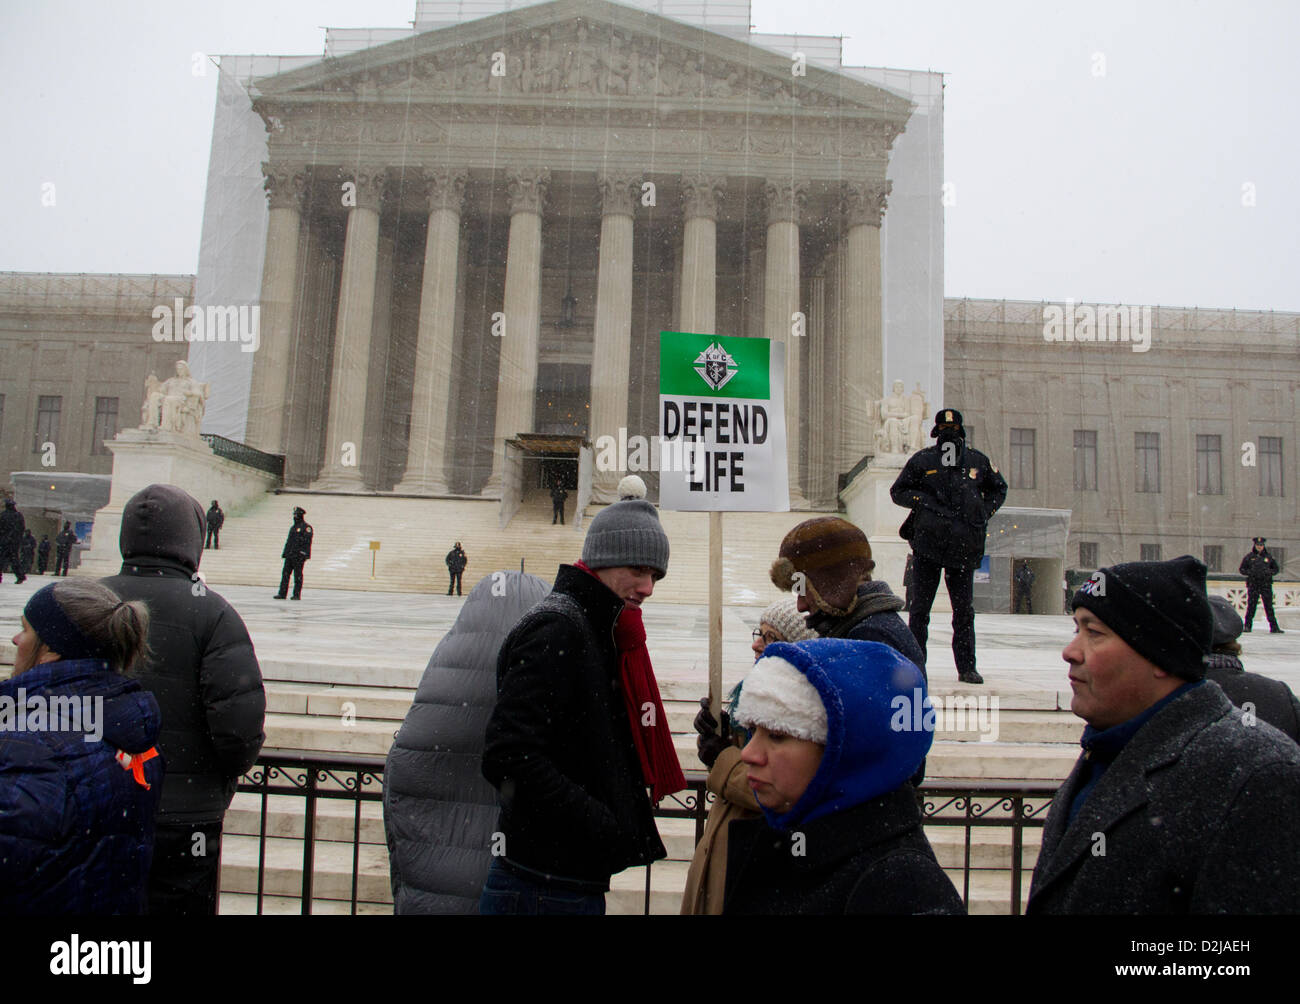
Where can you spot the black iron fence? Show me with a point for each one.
(241, 453)
(1011, 806)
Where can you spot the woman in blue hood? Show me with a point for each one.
(841, 831)
(79, 775)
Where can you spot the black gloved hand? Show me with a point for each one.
(709, 745)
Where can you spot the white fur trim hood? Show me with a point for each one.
(777, 696)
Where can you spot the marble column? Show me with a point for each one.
(426, 455)
(517, 380)
(285, 186)
(700, 197)
(861, 346)
(345, 423)
(612, 348)
(784, 201)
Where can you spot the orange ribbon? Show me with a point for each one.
(135, 764)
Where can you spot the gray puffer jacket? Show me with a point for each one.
(439, 812)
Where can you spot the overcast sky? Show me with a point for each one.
(1105, 151)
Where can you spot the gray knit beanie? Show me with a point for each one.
(784, 615)
(626, 533)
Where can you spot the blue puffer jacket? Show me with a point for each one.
(76, 829)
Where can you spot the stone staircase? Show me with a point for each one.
(415, 535)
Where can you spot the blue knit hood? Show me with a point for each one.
(872, 746)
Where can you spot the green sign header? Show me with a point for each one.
(713, 366)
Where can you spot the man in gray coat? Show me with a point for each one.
(439, 811)
(1177, 805)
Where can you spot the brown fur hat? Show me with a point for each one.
(834, 557)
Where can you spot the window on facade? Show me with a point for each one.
(1022, 458)
(1149, 552)
(1212, 555)
(48, 408)
(1209, 465)
(1088, 557)
(105, 423)
(1270, 465)
(1085, 460)
(1146, 449)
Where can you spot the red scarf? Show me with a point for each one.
(645, 710)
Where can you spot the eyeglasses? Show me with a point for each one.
(768, 637)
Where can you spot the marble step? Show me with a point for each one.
(964, 722)
(331, 874)
(237, 904)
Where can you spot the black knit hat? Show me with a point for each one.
(1227, 622)
(1158, 607)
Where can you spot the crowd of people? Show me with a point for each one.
(526, 772)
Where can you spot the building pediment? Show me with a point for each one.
(586, 53)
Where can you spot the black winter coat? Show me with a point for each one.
(65, 541)
(12, 527)
(1271, 700)
(204, 672)
(297, 546)
(1197, 814)
(872, 858)
(875, 618)
(559, 747)
(951, 503)
(216, 518)
(1258, 567)
(456, 560)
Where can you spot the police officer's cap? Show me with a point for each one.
(299, 511)
(1259, 540)
(948, 416)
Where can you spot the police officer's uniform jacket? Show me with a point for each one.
(951, 502)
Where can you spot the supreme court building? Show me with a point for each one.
(475, 229)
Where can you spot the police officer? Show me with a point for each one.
(297, 549)
(558, 495)
(457, 559)
(27, 552)
(43, 554)
(1025, 587)
(1259, 567)
(63, 548)
(215, 519)
(952, 490)
(12, 529)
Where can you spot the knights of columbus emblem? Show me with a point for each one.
(715, 366)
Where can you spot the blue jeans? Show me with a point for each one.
(506, 893)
